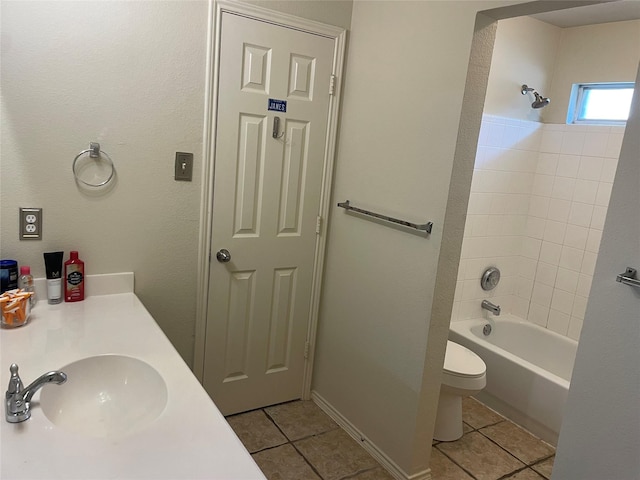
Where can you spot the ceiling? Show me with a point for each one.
(615, 11)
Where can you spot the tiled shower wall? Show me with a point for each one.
(538, 201)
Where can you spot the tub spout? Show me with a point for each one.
(487, 305)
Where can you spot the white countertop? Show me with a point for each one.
(189, 440)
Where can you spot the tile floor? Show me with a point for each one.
(298, 441)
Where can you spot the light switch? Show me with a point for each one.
(184, 166)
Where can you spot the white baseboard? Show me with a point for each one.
(393, 469)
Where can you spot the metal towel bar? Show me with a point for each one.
(425, 227)
(629, 277)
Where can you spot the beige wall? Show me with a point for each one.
(613, 47)
(403, 98)
(525, 53)
(130, 75)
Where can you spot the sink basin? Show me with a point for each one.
(105, 396)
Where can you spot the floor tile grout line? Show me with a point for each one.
(291, 442)
(307, 460)
(353, 475)
(512, 454)
(456, 463)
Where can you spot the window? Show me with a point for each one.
(600, 103)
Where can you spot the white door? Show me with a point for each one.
(266, 202)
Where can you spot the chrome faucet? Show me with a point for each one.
(487, 305)
(18, 399)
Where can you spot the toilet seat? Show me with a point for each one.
(459, 361)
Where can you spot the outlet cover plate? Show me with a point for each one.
(30, 223)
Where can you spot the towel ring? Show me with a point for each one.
(94, 152)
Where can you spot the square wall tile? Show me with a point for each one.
(546, 274)
(584, 285)
(563, 188)
(562, 301)
(614, 145)
(572, 143)
(567, 280)
(524, 288)
(547, 163)
(589, 263)
(604, 194)
(595, 144)
(531, 247)
(585, 191)
(520, 307)
(571, 258)
(593, 240)
(568, 166)
(535, 227)
(590, 168)
(538, 314)
(580, 214)
(598, 217)
(558, 322)
(539, 206)
(559, 210)
(579, 307)
(609, 167)
(551, 141)
(554, 231)
(575, 327)
(542, 185)
(480, 203)
(550, 253)
(527, 268)
(542, 294)
(576, 236)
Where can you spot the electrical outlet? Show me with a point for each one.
(30, 223)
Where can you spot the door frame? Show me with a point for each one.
(338, 35)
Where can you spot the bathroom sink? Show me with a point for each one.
(105, 396)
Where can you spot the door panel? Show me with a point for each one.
(266, 200)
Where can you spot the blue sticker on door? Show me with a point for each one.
(278, 105)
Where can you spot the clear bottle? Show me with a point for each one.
(25, 282)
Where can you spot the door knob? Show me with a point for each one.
(223, 255)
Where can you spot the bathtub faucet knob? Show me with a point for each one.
(487, 305)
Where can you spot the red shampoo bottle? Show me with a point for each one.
(73, 279)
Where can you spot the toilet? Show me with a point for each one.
(464, 374)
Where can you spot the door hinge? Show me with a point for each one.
(318, 224)
(332, 85)
(306, 350)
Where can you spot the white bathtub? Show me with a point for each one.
(528, 370)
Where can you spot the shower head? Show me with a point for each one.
(540, 101)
